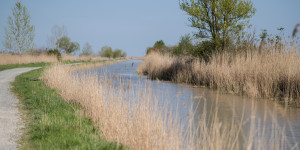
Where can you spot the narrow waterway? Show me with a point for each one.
(189, 101)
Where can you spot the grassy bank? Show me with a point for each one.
(268, 74)
(11, 66)
(51, 122)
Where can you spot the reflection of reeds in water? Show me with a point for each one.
(135, 119)
(268, 75)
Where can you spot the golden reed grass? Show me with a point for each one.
(7, 58)
(134, 118)
(267, 75)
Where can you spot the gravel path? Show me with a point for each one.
(10, 120)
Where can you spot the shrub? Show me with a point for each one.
(55, 52)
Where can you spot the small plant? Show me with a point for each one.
(54, 52)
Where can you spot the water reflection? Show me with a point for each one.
(188, 101)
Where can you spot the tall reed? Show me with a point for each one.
(6, 58)
(267, 74)
(134, 118)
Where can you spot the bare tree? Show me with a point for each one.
(57, 32)
(20, 33)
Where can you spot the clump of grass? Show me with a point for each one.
(135, 119)
(268, 74)
(51, 122)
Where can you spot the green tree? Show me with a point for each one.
(106, 51)
(123, 54)
(185, 46)
(87, 50)
(65, 44)
(20, 33)
(117, 53)
(158, 46)
(218, 19)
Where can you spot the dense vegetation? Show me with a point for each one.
(107, 51)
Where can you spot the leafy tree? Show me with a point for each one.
(56, 33)
(158, 46)
(106, 51)
(185, 46)
(117, 53)
(124, 54)
(20, 33)
(87, 50)
(65, 44)
(217, 19)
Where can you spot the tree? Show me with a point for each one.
(65, 44)
(117, 53)
(185, 46)
(124, 54)
(217, 19)
(158, 46)
(20, 33)
(56, 33)
(87, 50)
(106, 51)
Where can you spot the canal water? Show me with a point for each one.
(189, 101)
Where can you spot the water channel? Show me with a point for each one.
(187, 99)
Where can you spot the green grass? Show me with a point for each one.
(11, 66)
(51, 122)
(42, 64)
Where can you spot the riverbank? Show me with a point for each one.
(51, 122)
(266, 75)
(133, 116)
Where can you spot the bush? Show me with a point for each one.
(55, 52)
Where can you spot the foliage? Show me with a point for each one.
(107, 51)
(56, 33)
(65, 44)
(124, 54)
(55, 52)
(218, 19)
(117, 53)
(87, 50)
(185, 46)
(20, 33)
(159, 46)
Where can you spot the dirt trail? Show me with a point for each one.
(10, 120)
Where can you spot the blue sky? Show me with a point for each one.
(133, 25)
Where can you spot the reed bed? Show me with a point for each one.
(134, 118)
(6, 58)
(260, 75)
(83, 58)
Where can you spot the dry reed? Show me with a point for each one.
(133, 118)
(6, 58)
(267, 75)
